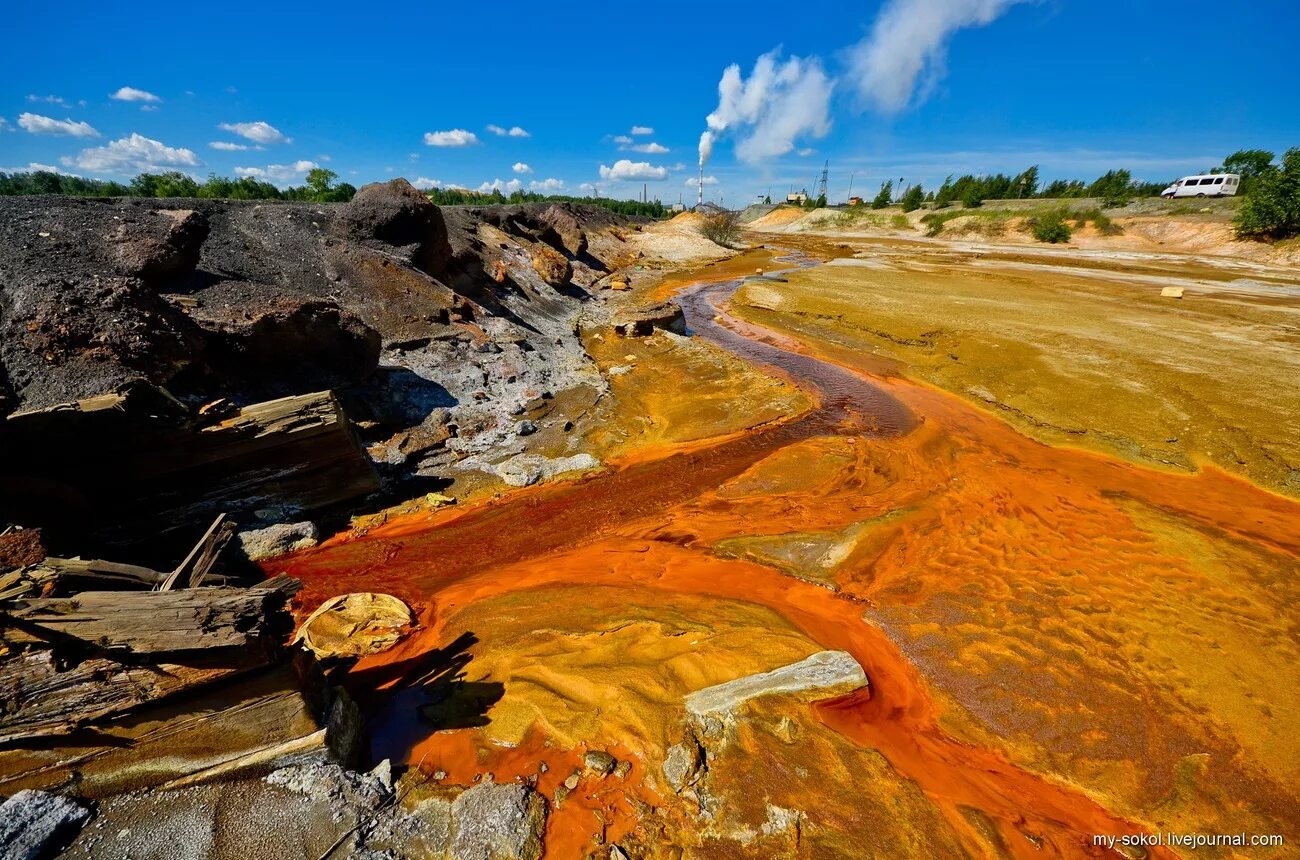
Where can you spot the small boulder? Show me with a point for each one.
(36, 824)
(277, 540)
(684, 763)
(600, 762)
(553, 267)
(498, 822)
(398, 214)
(642, 322)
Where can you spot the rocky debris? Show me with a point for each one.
(498, 822)
(600, 762)
(276, 540)
(824, 672)
(37, 824)
(684, 763)
(553, 267)
(397, 215)
(642, 322)
(355, 625)
(431, 324)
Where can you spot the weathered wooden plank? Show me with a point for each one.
(152, 622)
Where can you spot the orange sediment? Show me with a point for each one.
(993, 571)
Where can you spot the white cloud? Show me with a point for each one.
(4, 125)
(642, 130)
(806, 151)
(425, 183)
(622, 139)
(516, 131)
(624, 169)
(548, 186)
(37, 124)
(695, 180)
(513, 131)
(453, 137)
(148, 108)
(499, 131)
(54, 100)
(780, 101)
(258, 132)
(36, 166)
(651, 148)
(227, 146)
(134, 154)
(498, 185)
(131, 94)
(520, 167)
(907, 44)
(279, 174)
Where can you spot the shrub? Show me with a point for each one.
(1050, 226)
(1099, 219)
(900, 222)
(913, 198)
(973, 198)
(722, 228)
(1272, 208)
(885, 196)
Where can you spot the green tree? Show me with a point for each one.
(885, 196)
(320, 182)
(946, 194)
(1114, 187)
(1026, 184)
(913, 197)
(1251, 164)
(1272, 208)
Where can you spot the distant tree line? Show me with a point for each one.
(466, 197)
(321, 186)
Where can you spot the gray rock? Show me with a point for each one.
(684, 763)
(598, 761)
(279, 539)
(36, 824)
(824, 671)
(498, 822)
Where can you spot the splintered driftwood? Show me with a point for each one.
(99, 653)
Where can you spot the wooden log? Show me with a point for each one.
(154, 622)
(39, 698)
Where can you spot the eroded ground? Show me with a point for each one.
(1063, 633)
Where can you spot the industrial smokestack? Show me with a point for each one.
(699, 197)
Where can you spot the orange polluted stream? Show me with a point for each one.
(643, 524)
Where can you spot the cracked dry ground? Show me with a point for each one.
(1051, 515)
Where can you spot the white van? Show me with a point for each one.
(1207, 185)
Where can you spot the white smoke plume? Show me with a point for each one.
(781, 101)
(907, 45)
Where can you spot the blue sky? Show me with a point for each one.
(1076, 86)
